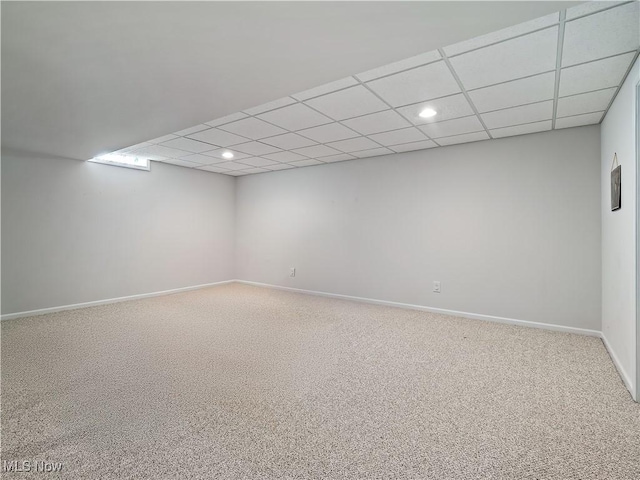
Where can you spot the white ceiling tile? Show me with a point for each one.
(354, 144)
(279, 166)
(337, 158)
(374, 152)
(295, 117)
(187, 131)
(217, 153)
(352, 102)
(228, 119)
(284, 157)
(289, 141)
(213, 168)
(236, 173)
(232, 166)
(326, 88)
(595, 75)
(453, 127)
(305, 163)
(467, 137)
(410, 147)
(585, 102)
(161, 151)
(405, 135)
(251, 171)
(521, 129)
(396, 67)
(328, 133)
(518, 92)
(516, 58)
(200, 159)
(422, 83)
(453, 106)
(255, 148)
(180, 163)
(518, 115)
(218, 137)
(317, 151)
(589, 7)
(502, 35)
(182, 143)
(162, 139)
(282, 102)
(257, 161)
(601, 35)
(579, 120)
(377, 122)
(253, 128)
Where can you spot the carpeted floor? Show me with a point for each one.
(240, 382)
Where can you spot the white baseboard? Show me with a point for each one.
(475, 316)
(42, 311)
(626, 378)
(455, 313)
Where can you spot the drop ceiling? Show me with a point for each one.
(84, 78)
(558, 71)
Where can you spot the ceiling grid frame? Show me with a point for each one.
(354, 81)
(498, 42)
(390, 107)
(445, 59)
(556, 88)
(339, 122)
(615, 94)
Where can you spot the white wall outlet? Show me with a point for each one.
(292, 272)
(436, 287)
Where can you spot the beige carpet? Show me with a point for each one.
(239, 382)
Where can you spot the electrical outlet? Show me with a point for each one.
(436, 287)
(292, 272)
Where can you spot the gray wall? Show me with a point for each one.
(511, 227)
(619, 231)
(76, 232)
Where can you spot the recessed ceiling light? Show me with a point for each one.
(227, 155)
(427, 113)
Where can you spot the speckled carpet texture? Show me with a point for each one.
(241, 382)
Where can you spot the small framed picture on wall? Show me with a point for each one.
(616, 181)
